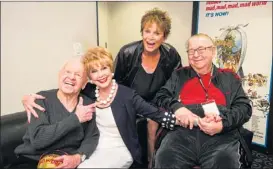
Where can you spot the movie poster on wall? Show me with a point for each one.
(243, 34)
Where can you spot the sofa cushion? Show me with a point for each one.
(13, 128)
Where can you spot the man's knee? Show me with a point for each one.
(167, 157)
(226, 159)
(163, 158)
(226, 156)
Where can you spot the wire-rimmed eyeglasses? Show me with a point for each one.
(199, 50)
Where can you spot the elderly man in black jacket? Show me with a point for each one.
(211, 106)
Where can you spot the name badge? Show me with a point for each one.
(210, 107)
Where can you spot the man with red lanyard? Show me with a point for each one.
(210, 105)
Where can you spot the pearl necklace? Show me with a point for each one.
(113, 88)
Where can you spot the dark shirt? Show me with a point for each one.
(58, 129)
(147, 84)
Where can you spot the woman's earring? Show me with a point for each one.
(113, 74)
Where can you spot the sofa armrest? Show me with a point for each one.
(13, 128)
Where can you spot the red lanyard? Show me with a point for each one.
(202, 84)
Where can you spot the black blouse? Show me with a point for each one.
(147, 84)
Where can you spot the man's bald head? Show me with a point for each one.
(72, 76)
(77, 61)
(201, 50)
(200, 35)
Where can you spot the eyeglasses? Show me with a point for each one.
(199, 50)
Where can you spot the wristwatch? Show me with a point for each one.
(83, 157)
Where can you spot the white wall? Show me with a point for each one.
(124, 23)
(103, 23)
(36, 39)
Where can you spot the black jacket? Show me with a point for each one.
(237, 110)
(125, 106)
(128, 61)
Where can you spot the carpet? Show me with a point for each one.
(262, 161)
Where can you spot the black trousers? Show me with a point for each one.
(185, 148)
(24, 163)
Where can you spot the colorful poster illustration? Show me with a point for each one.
(243, 34)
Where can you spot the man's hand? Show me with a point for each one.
(69, 161)
(211, 128)
(85, 113)
(185, 117)
(29, 104)
(209, 117)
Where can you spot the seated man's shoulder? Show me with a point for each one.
(50, 97)
(228, 73)
(48, 93)
(184, 69)
(86, 100)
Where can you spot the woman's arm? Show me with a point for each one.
(167, 96)
(165, 118)
(29, 105)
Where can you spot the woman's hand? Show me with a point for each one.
(29, 104)
(185, 117)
